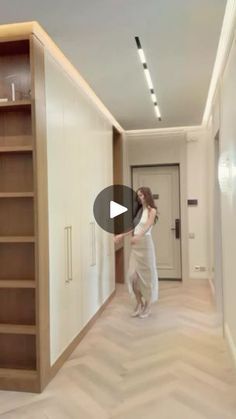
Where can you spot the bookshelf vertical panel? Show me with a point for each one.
(39, 132)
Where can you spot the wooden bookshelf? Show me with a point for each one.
(19, 290)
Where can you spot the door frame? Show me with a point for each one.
(117, 147)
(182, 202)
(217, 233)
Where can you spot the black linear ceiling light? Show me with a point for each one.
(148, 77)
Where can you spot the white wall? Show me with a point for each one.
(187, 148)
(228, 195)
(210, 201)
(79, 142)
(197, 189)
(223, 118)
(214, 204)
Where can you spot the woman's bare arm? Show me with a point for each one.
(150, 221)
(119, 237)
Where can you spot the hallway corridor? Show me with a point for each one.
(173, 365)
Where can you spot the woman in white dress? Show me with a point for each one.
(142, 273)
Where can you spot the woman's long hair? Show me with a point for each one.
(148, 199)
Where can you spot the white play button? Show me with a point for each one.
(116, 209)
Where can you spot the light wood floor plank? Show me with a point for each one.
(173, 365)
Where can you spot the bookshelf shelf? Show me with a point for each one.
(19, 283)
(16, 149)
(17, 195)
(15, 104)
(17, 239)
(17, 329)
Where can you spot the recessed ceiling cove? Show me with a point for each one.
(179, 37)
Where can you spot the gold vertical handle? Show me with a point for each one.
(70, 245)
(67, 255)
(93, 244)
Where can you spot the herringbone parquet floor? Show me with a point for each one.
(173, 365)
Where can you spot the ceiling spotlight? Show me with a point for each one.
(157, 110)
(153, 96)
(148, 77)
(141, 56)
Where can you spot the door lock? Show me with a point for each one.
(176, 228)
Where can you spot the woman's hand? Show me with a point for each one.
(135, 239)
(118, 238)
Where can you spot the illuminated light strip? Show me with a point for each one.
(153, 96)
(148, 77)
(157, 110)
(142, 56)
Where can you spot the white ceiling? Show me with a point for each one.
(179, 38)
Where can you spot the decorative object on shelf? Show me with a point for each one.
(13, 92)
(3, 99)
(26, 95)
(13, 87)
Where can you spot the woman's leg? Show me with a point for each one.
(146, 309)
(137, 293)
(136, 290)
(147, 305)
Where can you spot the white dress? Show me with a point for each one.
(143, 262)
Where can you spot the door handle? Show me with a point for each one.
(69, 274)
(70, 243)
(67, 255)
(93, 244)
(176, 228)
